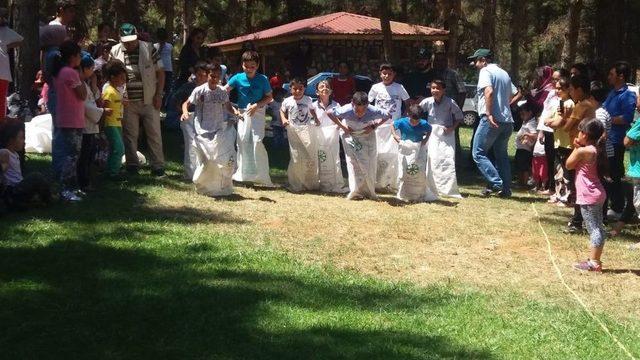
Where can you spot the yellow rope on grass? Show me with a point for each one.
(580, 301)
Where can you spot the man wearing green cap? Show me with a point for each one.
(495, 91)
(144, 91)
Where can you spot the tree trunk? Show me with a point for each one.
(248, 24)
(571, 37)
(187, 18)
(404, 11)
(489, 24)
(127, 11)
(450, 12)
(518, 22)
(28, 55)
(385, 25)
(169, 10)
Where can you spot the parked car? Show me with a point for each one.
(470, 106)
(363, 83)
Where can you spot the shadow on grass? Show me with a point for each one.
(78, 299)
(635, 272)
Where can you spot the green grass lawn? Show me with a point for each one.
(121, 275)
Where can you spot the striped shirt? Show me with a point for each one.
(135, 88)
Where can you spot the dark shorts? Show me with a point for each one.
(523, 160)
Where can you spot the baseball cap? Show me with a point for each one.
(128, 32)
(480, 53)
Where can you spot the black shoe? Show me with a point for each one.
(573, 230)
(159, 173)
(132, 170)
(503, 194)
(489, 191)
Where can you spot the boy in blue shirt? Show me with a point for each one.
(412, 138)
(254, 93)
(359, 140)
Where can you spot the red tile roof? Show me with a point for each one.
(340, 23)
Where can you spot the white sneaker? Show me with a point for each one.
(69, 196)
(614, 215)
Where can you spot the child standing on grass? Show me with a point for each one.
(412, 134)
(525, 139)
(329, 169)
(359, 140)
(589, 160)
(444, 116)
(215, 138)
(69, 119)
(116, 75)
(298, 115)
(387, 95)
(18, 191)
(92, 115)
(632, 142)
(254, 93)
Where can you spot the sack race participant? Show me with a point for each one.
(412, 133)
(299, 118)
(214, 141)
(387, 95)
(328, 135)
(180, 96)
(254, 93)
(359, 142)
(444, 116)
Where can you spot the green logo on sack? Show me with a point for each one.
(322, 155)
(356, 145)
(231, 161)
(413, 169)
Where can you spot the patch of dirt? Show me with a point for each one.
(490, 244)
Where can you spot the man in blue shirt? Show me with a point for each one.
(620, 104)
(495, 92)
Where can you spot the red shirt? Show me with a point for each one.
(343, 89)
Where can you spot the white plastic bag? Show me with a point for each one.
(387, 164)
(412, 162)
(360, 152)
(37, 134)
(217, 157)
(253, 161)
(329, 170)
(441, 163)
(303, 165)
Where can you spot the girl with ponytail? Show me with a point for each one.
(69, 119)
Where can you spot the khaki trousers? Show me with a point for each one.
(134, 113)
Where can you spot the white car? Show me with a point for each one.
(470, 106)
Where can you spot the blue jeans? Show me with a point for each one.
(486, 138)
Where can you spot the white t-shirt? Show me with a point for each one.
(7, 37)
(527, 128)
(55, 22)
(298, 111)
(549, 108)
(209, 108)
(389, 98)
(166, 55)
(321, 112)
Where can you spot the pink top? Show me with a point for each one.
(69, 109)
(589, 189)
